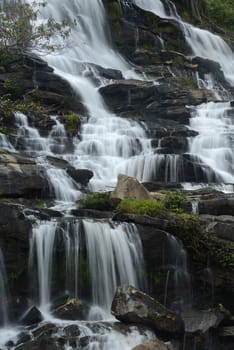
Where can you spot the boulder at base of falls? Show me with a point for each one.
(33, 316)
(73, 309)
(154, 344)
(129, 187)
(131, 305)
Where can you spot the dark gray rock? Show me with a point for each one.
(217, 206)
(32, 317)
(82, 176)
(21, 177)
(130, 305)
(148, 102)
(51, 82)
(73, 309)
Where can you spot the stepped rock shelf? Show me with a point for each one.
(117, 183)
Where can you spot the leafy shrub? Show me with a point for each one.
(173, 200)
(221, 12)
(146, 207)
(6, 59)
(96, 200)
(19, 28)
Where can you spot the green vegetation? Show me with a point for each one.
(72, 122)
(40, 204)
(96, 200)
(221, 13)
(184, 82)
(148, 207)
(184, 218)
(6, 59)
(224, 257)
(114, 10)
(19, 28)
(173, 200)
(172, 203)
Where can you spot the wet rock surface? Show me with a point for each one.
(21, 177)
(133, 306)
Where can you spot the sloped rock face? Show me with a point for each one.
(73, 309)
(149, 102)
(21, 177)
(133, 306)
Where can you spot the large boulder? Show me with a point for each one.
(21, 177)
(73, 309)
(33, 316)
(222, 226)
(129, 187)
(131, 305)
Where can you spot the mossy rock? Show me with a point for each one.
(72, 123)
(114, 10)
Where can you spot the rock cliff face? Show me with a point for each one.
(162, 104)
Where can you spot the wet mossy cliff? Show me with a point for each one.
(157, 48)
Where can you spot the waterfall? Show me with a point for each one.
(41, 253)
(114, 257)
(201, 42)
(108, 141)
(214, 146)
(3, 293)
(176, 261)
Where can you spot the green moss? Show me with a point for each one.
(184, 82)
(72, 122)
(145, 207)
(40, 204)
(114, 10)
(2, 151)
(224, 257)
(183, 217)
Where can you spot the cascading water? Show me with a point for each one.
(6, 331)
(42, 244)
(3, 293)
(201, 42)
(114, 257)
(214, 147)
(176, 261)
(109, 144)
